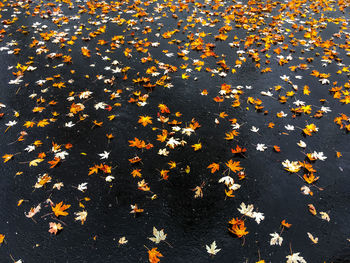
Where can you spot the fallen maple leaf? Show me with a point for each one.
(214, 167)
(158, 235)
(145, 120)
(59, 209)
(312, 209)
(234, 166)
(54, 227)
(154, 255)
(35, 162)
(33, 211)
(7, 157)
(284, 223)
(54, 162)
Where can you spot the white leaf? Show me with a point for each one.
(246, 210)
(261, 147)
(212, 250)
(276, 239)
(104, 155)
(325, 216)
(158, 236)
(301, 144)
(258, 217)
(227, 180)
(82, 187)
(295, 258)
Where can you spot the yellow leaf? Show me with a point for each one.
(197, 146)
(35, 162)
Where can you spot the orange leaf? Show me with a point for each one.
(271, 125)
(2, 237)
(145, 120)
(154, 255)
(238, 150)
(231, 135)
(54, 162)
(163, 108)
(93, 169)
(85, 52)
(137, 143)
(284, 223)
(136, 172)
(312, 209)
(7, 157)
(59, 209)
(239, 230)
(214, 167)
(164, 174)
(276, 148)
(229, 193)
(234, 166)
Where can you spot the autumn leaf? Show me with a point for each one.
(309, 129)
(81, 216)
(33, 211)
(238, 150)
(172, 164)
(42, 123)
(312, 209)
(271, 125)
(284, 223)
(2, 238)
(54, 162)
(54, 227)
(59, 209)
(28, 124)
(85, 51)
(7, 157)
(325, 216)
(122, 241)
(197, 146)
(306, 90)
(163, 108)
(164, 174)
(154, 255)
(158, 236)
(136, 173)
(145, 120)
(234, 166)
(135, 209)
(214, 167)
(229, 193)
(238, 230)
(135, 159)
(137, 143)
(212, 250)
(312, 238)
(42, 180)
(276, 148)
(93, 169)
(231, 135)
(35, 162)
